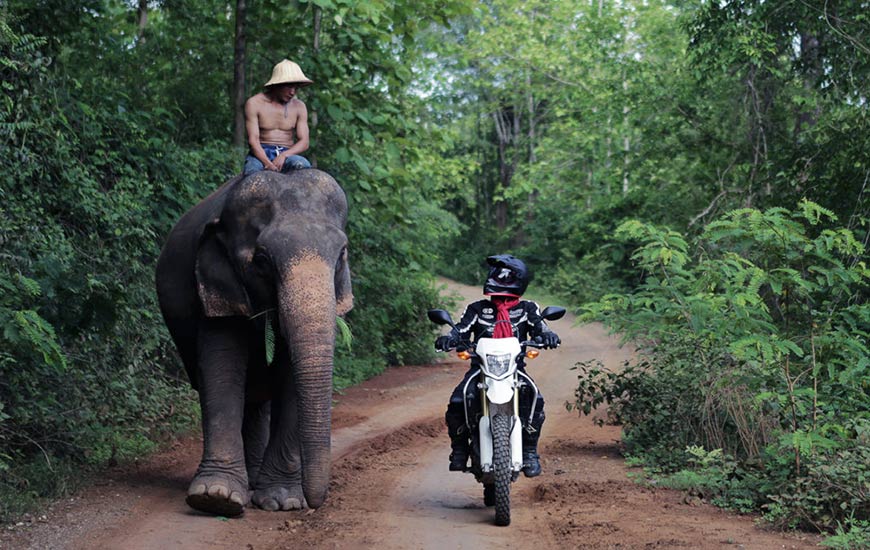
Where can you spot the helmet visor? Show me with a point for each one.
(505, 276)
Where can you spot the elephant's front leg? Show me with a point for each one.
(279, 484)
(220, 485)
(255, 434)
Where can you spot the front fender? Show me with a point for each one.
(500, 391)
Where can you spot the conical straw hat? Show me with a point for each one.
(287, 72)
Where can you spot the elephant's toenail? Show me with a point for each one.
(218, 491)
(291, 504)
(197, 489)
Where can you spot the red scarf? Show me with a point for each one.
(504, 305)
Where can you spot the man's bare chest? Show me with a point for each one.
(278, 117)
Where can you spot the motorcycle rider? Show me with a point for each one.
(506, 282)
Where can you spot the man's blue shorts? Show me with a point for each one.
(293, 162)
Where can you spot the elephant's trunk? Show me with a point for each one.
(307, 314)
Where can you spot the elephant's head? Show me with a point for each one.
(280, 243)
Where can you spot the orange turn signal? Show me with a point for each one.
(464, 355)
(531, 353)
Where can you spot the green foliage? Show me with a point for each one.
(717, 478)
(754, 339)
(850, 535)
(88, 194)
(833, 486)
(26, 485)
(669, 114)
(350, 370)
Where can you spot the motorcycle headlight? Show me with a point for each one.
(498, 364)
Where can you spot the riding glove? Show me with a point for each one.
(446, 342)
(549, 339)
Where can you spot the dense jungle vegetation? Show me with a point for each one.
(693, 174)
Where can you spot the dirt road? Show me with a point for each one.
(391, 488)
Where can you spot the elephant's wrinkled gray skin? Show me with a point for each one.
(269, 242)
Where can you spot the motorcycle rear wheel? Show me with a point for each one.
(501, 467)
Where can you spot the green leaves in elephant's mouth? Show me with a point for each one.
(343, 332)
(270, 337)
(345, 336)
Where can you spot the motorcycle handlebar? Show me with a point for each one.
(471, 348)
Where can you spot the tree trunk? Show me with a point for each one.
(608, 156)
(143, 21)
(239, 84)
(507, 128)
(811, 60)
(760, 98)
(531, 104)
(315, 48)
(626, 136)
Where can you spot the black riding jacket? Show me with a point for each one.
(480, 316)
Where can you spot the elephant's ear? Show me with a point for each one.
(343, 292)
(220, 289)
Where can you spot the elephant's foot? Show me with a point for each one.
(218, 494)
(279, 498)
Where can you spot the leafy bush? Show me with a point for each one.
(717, 478)
(86, 200)
(831, 482)
(754, 344)
(853, 534)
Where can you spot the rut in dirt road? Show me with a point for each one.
(391, 489)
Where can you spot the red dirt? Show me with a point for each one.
(391, 489)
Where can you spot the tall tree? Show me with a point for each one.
(239, 83)
(142, 21)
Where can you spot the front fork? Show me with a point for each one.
(511, 408)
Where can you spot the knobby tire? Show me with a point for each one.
(501, 465)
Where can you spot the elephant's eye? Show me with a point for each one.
(261, 259)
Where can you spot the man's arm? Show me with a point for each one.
(460, 331)
(301, 144)
(464, 328)
(252, 125)
(538, 326)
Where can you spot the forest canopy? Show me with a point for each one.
(694, 174)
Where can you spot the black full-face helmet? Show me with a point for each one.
(508, 276)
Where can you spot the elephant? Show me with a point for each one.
(266, 248)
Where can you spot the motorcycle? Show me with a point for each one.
(495, 426)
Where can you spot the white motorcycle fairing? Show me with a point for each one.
(498, 356)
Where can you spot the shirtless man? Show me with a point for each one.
(271, 118)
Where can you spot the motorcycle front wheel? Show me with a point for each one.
(501, 467)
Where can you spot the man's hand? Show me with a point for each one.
(549, 339)
(445, 343)
(278, 162)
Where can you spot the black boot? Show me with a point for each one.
(458, 432)
(531, 463)
(531, 434)
(458, 454)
